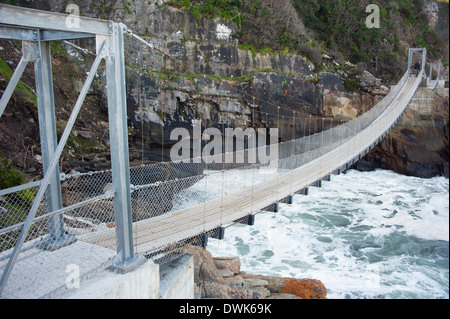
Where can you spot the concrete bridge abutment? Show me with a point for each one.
(174, 280)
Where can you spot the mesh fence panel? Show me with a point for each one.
(86, 209)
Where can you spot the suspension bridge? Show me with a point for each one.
(147, 212)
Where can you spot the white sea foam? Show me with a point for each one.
(364, 235)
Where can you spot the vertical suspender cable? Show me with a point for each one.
(223, 153)
(142, 144)
(293, 156)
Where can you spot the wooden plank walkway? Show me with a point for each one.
(158, 232)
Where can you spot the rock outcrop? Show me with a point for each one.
(222, 278)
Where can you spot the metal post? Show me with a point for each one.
(47, 126)
(424, 58)
(117, 112)
(409, 61)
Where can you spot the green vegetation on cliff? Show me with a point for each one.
(9, 176)
(336, 27)
(227, 9)
(21, 89)
(244, 78)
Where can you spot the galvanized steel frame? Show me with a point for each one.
(410, 57)
(434, 82)
(36, 29)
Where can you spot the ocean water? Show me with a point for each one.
(375, 235)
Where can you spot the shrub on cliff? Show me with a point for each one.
(9, 177)
(340, 25)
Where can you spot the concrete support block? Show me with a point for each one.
(142, 283)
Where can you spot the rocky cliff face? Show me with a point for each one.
(205, 75)
(418, 144)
